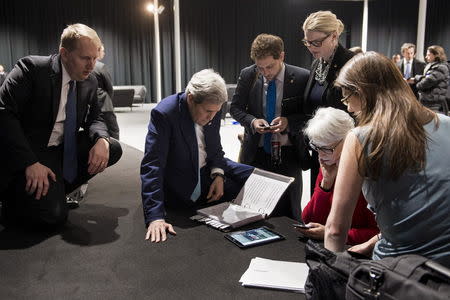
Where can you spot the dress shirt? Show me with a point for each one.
(56, 137)
(202, 149)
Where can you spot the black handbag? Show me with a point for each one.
(328, 271)
(402, 277)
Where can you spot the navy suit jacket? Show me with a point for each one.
(247, 104)
(29, 102)
(169, 169)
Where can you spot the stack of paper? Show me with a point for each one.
(275, 274)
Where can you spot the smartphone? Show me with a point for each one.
(267, 128)
(301, 225)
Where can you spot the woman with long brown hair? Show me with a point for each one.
(398, 156)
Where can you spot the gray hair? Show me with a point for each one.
(329, 125)
(207, 85)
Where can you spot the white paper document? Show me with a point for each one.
(255, 201)
(276, 274)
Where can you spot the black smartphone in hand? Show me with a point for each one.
(301, 225)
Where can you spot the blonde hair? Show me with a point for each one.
(72, 33)
(396, 138)
(323, 21)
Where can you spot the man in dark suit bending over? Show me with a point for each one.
(270, 93)
(43, 104)
(184, 165)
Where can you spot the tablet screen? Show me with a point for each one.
(253, 237)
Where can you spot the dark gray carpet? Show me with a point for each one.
(101, 252)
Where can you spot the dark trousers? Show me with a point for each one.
(290, 203)
(51, 209)
(111, 122)
(236, 174)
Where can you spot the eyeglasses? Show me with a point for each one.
(345, 99)
(323, 149)
(315, 43)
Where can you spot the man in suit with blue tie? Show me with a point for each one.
(43, 155)
(268, 103)
(410, 66)
(184, 165)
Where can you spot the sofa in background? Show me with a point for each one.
(140, 91)
(123, 98)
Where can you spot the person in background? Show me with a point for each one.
(398, 156)
(396, 58)
(410, 66)
(356, 50)
(105, 94)
(184, 165)
(321, 36)
(326, 132)
(3, 74)
(44, 156)
(267, 103)
(433, 84)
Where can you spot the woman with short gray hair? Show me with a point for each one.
(326, 132)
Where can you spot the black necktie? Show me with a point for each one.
(70, 161)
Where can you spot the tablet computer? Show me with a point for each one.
(253, 237)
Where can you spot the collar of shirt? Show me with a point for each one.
(65, 76)
(407, 61)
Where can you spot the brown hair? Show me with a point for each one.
(396, 139)
(266, 45)
(406, 46)
(438, 52)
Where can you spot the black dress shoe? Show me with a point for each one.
(73, 199)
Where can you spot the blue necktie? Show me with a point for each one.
(198, 188)
(408, 70)
(70, 160)
(271, 100)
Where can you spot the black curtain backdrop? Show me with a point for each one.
(214, 34)
(392, 23)
(125, 27)
(438, 28)
(218, 34)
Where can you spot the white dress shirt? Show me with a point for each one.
(56, 138)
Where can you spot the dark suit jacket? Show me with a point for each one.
(105, 90)
(169, 169)
(29, 106)
(247, 104)
(417, 67)
(332, 95)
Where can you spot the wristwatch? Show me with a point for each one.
(214, 175)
